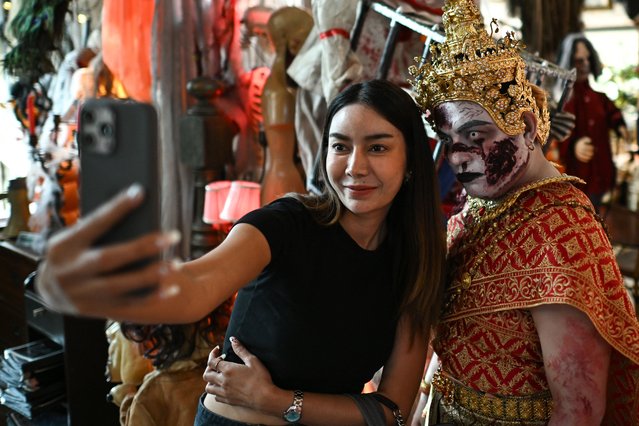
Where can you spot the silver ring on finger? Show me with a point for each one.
(217, 363)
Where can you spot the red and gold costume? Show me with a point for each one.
(539, 245)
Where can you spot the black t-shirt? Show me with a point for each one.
(322, 315)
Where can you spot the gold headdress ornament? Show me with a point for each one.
(471, 66)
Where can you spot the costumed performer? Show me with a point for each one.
(537, 325)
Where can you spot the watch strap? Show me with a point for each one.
(293, 413)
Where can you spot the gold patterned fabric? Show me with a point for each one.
(541, 246)
(489, 409)
(463, 403)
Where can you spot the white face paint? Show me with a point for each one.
(366, 160)
(487, 161)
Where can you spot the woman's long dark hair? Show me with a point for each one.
(414, 223)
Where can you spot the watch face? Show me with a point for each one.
(292, 415)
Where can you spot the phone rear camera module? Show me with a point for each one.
(106, 130)
(88, 140)
(88, 117)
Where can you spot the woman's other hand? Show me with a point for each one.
(236, 384)
(76, 278)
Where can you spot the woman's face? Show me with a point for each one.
(487, 161)
(366, 160)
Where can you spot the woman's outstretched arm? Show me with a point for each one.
(77, 278)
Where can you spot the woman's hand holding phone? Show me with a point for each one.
(78, 277)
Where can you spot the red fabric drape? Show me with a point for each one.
(126, 44)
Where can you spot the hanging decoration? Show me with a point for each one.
(38, 26)
(129, 23)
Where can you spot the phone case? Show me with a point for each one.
(118, 146)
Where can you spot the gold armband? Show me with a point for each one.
(424, 387)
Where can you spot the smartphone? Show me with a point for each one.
(118, 146)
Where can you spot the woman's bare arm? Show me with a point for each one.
(77, 278)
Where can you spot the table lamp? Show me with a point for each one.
(226, 202)
(215, 196)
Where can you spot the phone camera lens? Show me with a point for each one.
(106, 130)
(88, 140)
(88, 117)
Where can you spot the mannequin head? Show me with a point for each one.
(288, 28)
(578, 52)
(254, 21)
(585, 59)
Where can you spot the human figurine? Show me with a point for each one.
(288, 27)
(330, 287)
(537, 326)
(167, 393)
(587, 152)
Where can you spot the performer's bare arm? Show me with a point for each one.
(576, 360)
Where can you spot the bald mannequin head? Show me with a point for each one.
(288, 27)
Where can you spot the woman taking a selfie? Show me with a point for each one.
(331, 287)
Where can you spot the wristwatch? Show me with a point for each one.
(293, 414)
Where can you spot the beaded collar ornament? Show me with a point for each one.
(471, 66)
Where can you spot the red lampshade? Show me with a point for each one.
(243, 197)
(214, 199)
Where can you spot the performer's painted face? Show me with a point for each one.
(487, 161)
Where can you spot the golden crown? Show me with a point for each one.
(471, 66)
